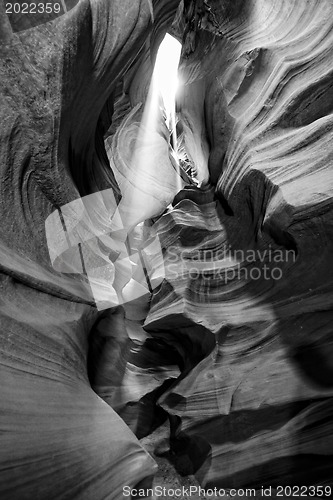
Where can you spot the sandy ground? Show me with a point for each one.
(169, 478)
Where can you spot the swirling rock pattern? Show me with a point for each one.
(257, 408)
(231, 339)
(58, 438)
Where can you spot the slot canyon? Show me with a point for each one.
(166, 246)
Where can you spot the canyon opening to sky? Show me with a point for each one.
(166, 280)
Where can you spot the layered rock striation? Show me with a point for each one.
(134, 292)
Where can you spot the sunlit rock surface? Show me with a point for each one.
(253, 265)
(219, 321)
(58, 438)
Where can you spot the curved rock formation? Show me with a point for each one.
(253, 266)
(59, 439)
(138, 287)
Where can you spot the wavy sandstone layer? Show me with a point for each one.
(135, 293)
(253, 264)
(58, 438)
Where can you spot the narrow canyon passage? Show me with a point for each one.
(165, 249)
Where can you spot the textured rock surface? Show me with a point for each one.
(228, 338)
(257, 409)
(58, 438)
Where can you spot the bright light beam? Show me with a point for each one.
(155, 180)
(165, 75)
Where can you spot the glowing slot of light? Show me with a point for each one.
(150, 159)
(165, 75)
